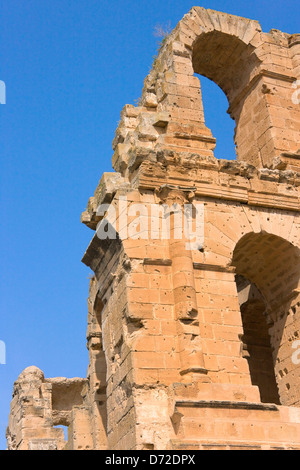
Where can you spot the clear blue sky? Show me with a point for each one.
(69, 68)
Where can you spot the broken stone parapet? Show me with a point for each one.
(38, 406)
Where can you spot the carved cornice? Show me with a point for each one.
(175, 195)
(241, 183)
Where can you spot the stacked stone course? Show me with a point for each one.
(191, 348)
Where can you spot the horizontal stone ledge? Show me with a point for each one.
(214, 268)
(274, 201)
(295, 156)
(233, 445)
(195, 370)
(186, 444)
(157, 262)
(201, 138)
(216, 444)
(64, 381)
(233, 405)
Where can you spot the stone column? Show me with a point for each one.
(185, 301)
(294, 44)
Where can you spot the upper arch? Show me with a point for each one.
(250, 66)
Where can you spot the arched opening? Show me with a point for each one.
(217, 119)
(227, 61)
(268, 272)
(65, 430)
(256, 340)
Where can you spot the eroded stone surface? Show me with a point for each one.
(187, 347)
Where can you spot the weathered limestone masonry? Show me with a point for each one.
(191, 349)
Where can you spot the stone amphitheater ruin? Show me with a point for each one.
(191, 347)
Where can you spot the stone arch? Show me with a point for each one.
(229, 62)
(225, 59)
(206, 43)
(200, 20)
(224, 229)
(242, 60)
(271, 265)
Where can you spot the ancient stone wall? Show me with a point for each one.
(191, 340)
(39, 406)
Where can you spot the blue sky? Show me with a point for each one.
(69, 67)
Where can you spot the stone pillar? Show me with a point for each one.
(97, 369)
(30, 421)
(185, 300)
(294, 43)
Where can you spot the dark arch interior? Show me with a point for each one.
(256, 340)
(268, 271)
